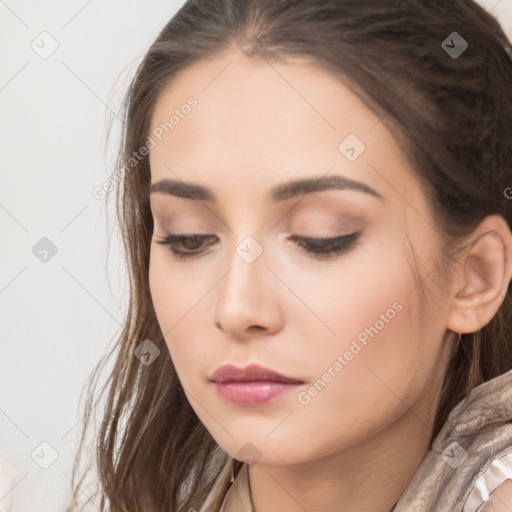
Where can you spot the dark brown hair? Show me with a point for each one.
(450, 116)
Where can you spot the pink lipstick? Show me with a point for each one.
(252, 385)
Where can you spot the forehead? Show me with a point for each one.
(260, 121)
(260, 95)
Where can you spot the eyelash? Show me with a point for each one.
(318, 248)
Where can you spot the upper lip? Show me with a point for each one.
(231, 373)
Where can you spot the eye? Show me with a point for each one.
(190, 242)
(319, 248)
(324, 248)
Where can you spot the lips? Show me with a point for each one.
(253, 372)
(253, 385)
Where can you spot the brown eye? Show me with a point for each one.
(191, 243)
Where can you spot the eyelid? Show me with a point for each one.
(323, 217)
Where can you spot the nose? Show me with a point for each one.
(248, 303)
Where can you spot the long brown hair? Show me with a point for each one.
(451, 117)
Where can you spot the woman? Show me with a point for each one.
(315, 208)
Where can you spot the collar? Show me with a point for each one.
(237, 498)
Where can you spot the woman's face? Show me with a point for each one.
(351, 326)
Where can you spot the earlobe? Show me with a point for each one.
(483, 275)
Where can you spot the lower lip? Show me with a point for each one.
(253, 392)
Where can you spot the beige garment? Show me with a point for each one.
(478, 431)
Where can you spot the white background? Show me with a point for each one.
(57, 317)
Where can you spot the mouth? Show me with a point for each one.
(252, 385)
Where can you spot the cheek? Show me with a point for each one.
(163, 291)
(373, 357)
(367, 300)
(180, 300)
(175, 290)
(360, 388)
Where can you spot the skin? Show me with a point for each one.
(357, 443)
(500, 500)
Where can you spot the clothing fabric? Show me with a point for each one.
(499, 471)
(469, 458)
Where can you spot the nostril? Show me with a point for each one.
(257, 327)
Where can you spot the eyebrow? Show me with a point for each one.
(278, 193)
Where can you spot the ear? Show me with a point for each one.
(482, 276)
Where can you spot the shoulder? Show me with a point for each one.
(500, 500)
(492, 491)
